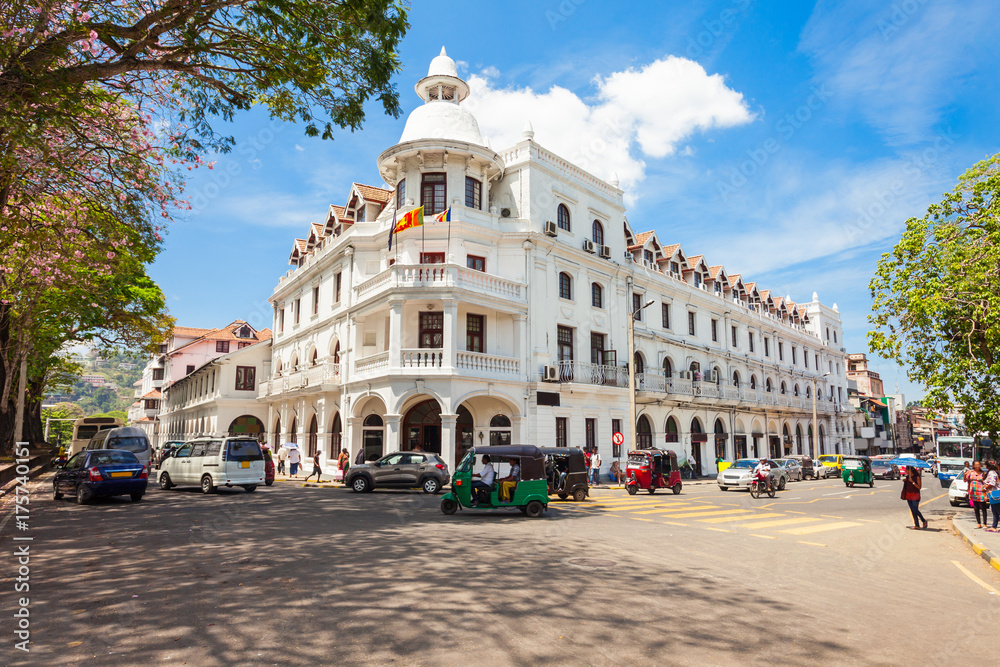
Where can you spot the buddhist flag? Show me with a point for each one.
(414, 218)
(443, 216)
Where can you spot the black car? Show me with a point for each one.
(882, 469)
(101, 472)
(400, 470)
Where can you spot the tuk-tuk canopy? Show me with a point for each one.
(573, 455)
(659, 456)
(531, 457)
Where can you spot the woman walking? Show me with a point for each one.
(316, 469)
(911, 494)
(977, 494)
(992, 488)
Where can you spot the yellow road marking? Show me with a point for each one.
(975, 578)
(780, 522)
(765, 537)
(686, 515)
(827, 516)
(933, 499)
(815, 544)
(794, 512)
(806, 530)
(869, 520)
(718, 530)
(691, 508)
(635, 518)
(754, 517)
(675, 523)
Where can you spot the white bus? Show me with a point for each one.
(952, 453)
(86, 427)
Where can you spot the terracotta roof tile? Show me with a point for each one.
(642, 237)
(154, 393)
(695, 260)
(189, 331)
(338, 210)
(669, 250)
(318, 230)
(374, 194)
(714, 271)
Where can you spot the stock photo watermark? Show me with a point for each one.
(22, 549)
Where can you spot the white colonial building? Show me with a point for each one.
(509, 324)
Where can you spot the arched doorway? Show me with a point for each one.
(673, 431)
(798, 439)
(465, 431)
(277, 434)
(822, 439)
(313, 438)
(422, 426)
(640, 365)
(336, 353)
(373, 435)
(293, 435)
(643, 433)
(500, 430)
(786, 439)
(336, 436)
(720, 440)
(668, 368)
(247, 425)
(698, 440)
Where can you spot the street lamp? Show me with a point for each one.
(631, 368)
(816, 420)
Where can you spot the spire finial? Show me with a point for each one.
(443, 52)
(528, 132)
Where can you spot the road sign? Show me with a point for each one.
(618, 438)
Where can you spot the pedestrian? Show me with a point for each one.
(977, 492)
(595, 467)
(992, 488)
(294, 458)
(282, 457)
(360, 458)
(586, 458)
(911, 494)
(616, 473)
(343, 463)
(316, 469)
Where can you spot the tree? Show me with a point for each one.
(936, 299)
(60, 430)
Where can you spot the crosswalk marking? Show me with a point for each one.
(675, 523)
(806, 530)
(779, 522)
(753, 517)
(685, 515)
(683, 508)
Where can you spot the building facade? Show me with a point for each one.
(869, 382)
(508, 322)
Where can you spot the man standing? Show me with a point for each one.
(282, 457)
(294, 458)
(595, 467)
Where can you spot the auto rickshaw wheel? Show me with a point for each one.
(781, 484)
(534, 509)
(652, 490)
(562, 496)
(449, 506)
(632, 489)
(677, 489)
(580, 495)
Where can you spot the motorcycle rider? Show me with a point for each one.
(762, 473)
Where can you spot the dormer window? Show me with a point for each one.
(244, 332)
(675, 267)
(359, 214)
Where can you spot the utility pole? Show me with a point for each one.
(631, 369)
(816, 449)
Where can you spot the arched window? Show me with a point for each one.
(294, 366)
(767, 385)
(596, 295)
(598, 233)
(562, 217)
(313, 357)
(336, 353)
(277, 368)
(565, 286)
(718, 375)
(673, 431)
(640, 366)
(373, 421)
(808, 391)
(500, 430)
(795, 390)
(784, 389)
(643, 433)
(736, 379)
(753, 381)
(668, 368)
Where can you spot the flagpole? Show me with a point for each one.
(447, 251)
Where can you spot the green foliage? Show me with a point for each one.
(61, 431)
(936, 299)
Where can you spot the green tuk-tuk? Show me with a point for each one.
(858, 470)
(530, 493)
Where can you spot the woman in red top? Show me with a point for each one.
(911, 494)
(977, 492)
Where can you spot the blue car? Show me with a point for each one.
(101, 472)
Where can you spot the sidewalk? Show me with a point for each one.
(986, 545)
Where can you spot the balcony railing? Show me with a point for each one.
(587, 373)
(422, 358)
(487, 363)
(440, 276)
(324, 373)
(372, 363)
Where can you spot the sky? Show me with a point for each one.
(788, 141)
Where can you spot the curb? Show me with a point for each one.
(980, 550)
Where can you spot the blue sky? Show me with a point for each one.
(785, 140)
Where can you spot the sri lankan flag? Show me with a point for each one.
(443, 216)
(414, 218)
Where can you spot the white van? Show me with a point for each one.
(213, 462)
(129, 438)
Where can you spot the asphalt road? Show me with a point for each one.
(294, 576)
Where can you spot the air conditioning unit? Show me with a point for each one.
(606, 252)
(703, 287)
(710, 376)
(652, 266)
(551, 229)
(674, 274)
(589, 246)
(684, 375)
(505, 213)
(550, 374)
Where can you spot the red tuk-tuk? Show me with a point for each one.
(652, 469)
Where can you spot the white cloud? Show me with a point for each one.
(637, 112)
(299, 148)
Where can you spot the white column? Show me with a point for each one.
(395, 333)
(393, 441)
(450, 333)
(352, 436)
(448, 435)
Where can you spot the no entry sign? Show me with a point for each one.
(618, 438)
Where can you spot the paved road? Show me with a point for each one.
(290, 575)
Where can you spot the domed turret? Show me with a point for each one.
(442, 116)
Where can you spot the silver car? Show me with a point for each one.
(792, 467)
(740, 474)
(400, 470)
